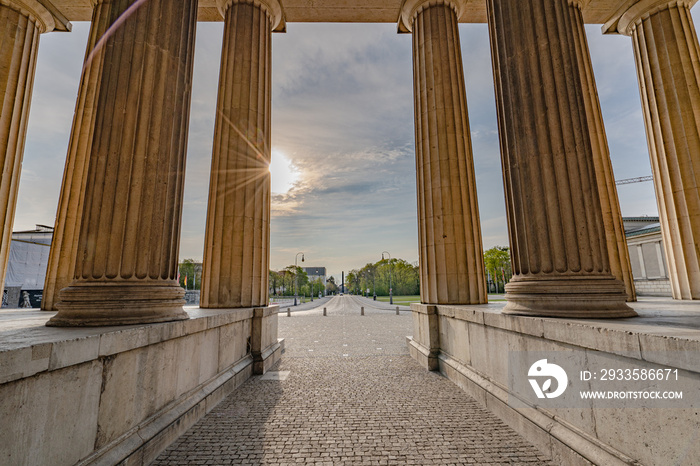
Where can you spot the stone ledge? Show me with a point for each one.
(472, 346)
(646, 337)
(542, 427)
(154, 435)
(121, 394)
(28, 351)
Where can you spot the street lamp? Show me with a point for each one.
(391, 291)
(296, 275)
(312, 286)
(374, 284)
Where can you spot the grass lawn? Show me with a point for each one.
(401, 300)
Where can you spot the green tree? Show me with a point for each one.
(352, 281)
(331, 287)
(498, 266)
(297, 279)
(190, 274)
(275, 282)
(384, 274)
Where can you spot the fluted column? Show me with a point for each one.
(64, 245)
(20, 27)
(451, 256)
(667, 55)
(607, 190)
(557, 235)
(237, 239)
(126, 266)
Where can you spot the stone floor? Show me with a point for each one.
(347, 392)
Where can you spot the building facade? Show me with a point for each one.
(647, 256)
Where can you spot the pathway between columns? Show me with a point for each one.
(347, 392)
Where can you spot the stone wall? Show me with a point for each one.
(660, 287)
(471, 345)
(105, 395)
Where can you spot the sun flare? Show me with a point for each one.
(283, 173)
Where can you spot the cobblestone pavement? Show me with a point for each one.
(347, 392)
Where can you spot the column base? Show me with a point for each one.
(586, 297)
(265, 347)
(94, 304)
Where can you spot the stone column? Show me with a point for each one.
(607, 190)
(557, 234)
(126, 266)
(451, 256)
(64, 246)
(667, 54)
(237, 239)
(20, 26)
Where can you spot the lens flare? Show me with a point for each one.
(283, 173)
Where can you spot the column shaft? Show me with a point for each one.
(126, 265)
(452, 263)
(237, 240)
(64, 246)
(607, 191)
(19, 42)
(668, 68)
(558, 246)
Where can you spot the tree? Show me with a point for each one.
(313, 287)
(190, 274)
(352, 281)
(298, 278)
(498, 265)
(331, 287)
(275, 281)
(384, 274)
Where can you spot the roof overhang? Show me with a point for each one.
(349, 11)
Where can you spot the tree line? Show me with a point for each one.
(294, 280)
(378, 277)
(386, 274)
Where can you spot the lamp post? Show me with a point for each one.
(374, 284)
(312, 286)
(296, 275)
(391, 291)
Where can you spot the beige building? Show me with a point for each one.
(647, 257)
(123, 395)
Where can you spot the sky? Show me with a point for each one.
(343, 165)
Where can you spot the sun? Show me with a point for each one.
(283, 173)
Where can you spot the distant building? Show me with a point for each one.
(315, 273)
(647, 256)
(26, 267)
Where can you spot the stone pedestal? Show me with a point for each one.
(126, 266)
(607, 191)
(451, 256)
(19, 42)
(557, 234)
(667, 53)
(64, 246)
(237, 240)
(264, 345)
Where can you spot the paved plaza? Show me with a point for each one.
(347, 392)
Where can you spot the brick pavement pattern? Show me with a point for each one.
(347, 392)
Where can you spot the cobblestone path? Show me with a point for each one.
(347, 392)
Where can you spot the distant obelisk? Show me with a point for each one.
(342, 282)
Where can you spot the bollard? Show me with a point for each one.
(362, 311)
(397, 310)
(324, 311)
(289, 312)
